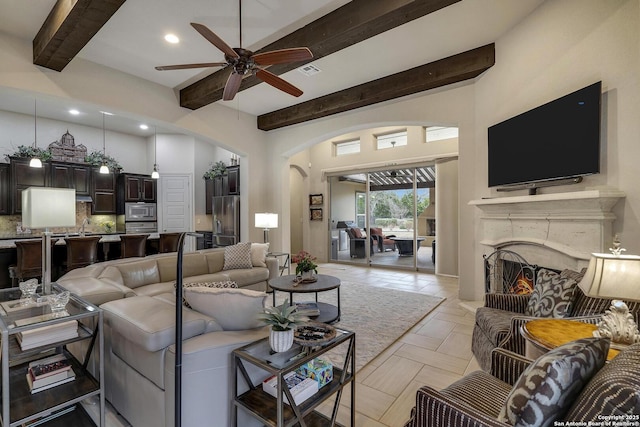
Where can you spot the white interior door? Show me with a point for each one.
(176, 202)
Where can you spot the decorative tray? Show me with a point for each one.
(299, 280)
(314, 333)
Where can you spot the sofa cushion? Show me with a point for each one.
(548, 387)
(142, 272)
(94, 290)
(215, 259)
(193, 264)
(259, 253)
(494, 323)
(614, 390)
(237, 256)
(244, 277)
(552, 295)
(233, 309)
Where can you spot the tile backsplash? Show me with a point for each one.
(97, 223)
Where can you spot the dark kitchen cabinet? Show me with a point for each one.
(69, 175)
(137, 188)
(208, 194)
(24, 176)
(231, 181)
(5, 209)
(103, 192)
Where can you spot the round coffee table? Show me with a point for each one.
(329, 313)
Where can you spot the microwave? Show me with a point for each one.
(140, 212)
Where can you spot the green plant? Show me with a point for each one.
(304, 262)
(215, 170)
(283, 317)
(29, 151)
(96, 158)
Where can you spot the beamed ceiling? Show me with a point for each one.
(348, 35)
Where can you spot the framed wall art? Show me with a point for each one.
(316, 200)
(315, 214)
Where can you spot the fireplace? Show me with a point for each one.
(558, 230)
(508, 272)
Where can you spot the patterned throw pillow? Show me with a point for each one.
(548, 387)
(552, 295)
(237, 256)
(219, 285)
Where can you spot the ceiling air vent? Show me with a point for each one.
(309, 70)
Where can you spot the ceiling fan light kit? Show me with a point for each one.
(242, 62)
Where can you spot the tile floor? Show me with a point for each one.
(435, 352)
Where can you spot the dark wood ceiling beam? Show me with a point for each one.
(352, 23)
(453, 69)
(68, 28)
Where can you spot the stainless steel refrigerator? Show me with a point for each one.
(226, 220)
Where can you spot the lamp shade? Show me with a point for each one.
(44, 207)
(266, 220)
(611, 276)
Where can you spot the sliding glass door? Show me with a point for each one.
(382, 217)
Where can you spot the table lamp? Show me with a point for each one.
(266, 221)
(614, 276)
(45, 207)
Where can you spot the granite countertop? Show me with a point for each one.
(7, 239)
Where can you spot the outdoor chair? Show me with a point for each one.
(357, 241)
(384, 242)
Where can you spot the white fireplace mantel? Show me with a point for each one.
(557, 230)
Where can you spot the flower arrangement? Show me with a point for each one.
(304, 262)
(283, 317)
(108, 226)
(215, 170)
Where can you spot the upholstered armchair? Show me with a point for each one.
(498, 323)
(384, 242)
(357, 241)
(513, 392)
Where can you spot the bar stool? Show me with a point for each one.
(28, 261)
(169, 242)
(81, 251)
(133, 245)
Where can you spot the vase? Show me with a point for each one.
(307, 275)
(281, 340)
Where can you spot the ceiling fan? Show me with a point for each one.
(242, 62)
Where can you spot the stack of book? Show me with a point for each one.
(308, 308)
(47, 334)
(301, 387)
(49, 372)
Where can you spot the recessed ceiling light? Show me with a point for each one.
(74, 112)
(144, 127)
(172, 38)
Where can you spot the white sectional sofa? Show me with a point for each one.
(138, 299)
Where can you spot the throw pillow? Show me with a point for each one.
(259, 253)
(233, 309)
(237, 256)
(357, 233)
(547, 388)
(552, 295)
(223, 284)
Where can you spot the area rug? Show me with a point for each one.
(378, 316)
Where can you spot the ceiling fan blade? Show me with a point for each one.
(232, 86)
(278, 83)
(282, 56)
(214, 40)
(187, 66)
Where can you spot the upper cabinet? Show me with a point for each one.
(5, 208)
(226, 185)
(70, 175)
(24, 176)
(135, 188)
(103, 192)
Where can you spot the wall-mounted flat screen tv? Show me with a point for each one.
(560, 139)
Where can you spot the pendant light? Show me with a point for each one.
(104, 168)
(155, 174)
(35, 161)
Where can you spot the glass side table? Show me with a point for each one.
(274, 411)
(19, 405)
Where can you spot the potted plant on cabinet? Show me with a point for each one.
(283, 319)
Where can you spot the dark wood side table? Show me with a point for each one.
(542, 335)
(329, 313)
